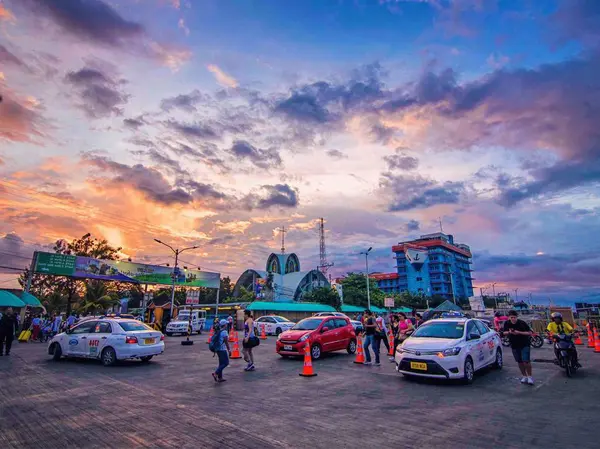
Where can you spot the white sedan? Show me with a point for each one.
(451, 348)
(108, 339)
(273, 324)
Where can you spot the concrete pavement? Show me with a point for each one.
(173, 402)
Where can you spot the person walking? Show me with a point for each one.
(250, 340)
(223, 351)
(382, 334)
(370, 330)
(519, 334)
(56, 323)
(229, 322)
(36, 325)
(8, 329)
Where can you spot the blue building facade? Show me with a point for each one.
(433, 265)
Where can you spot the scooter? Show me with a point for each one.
(564, 349)
(536, 341)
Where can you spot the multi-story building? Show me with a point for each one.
(432, 265)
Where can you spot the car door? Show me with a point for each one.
(328, 337)
(487, 338)
(475, 345)
(342, 333)
(77, 341)
(99, 338)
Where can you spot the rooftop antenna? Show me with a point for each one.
(441, 227)
(282, 231)
(323, 265)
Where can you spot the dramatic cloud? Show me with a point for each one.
(133, 123)
(401, 162)
(5, 13)
(222, 78)
(336, 154)
(412, 225)
(8, 58)
(185, 102)
(192, 131)
(13, 253)
(100, 96)
(405, 193)
(278, 195)
(266, 159)
(20, 118)
(97, 22)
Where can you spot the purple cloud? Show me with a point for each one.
(100, 96)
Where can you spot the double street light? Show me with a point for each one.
(177, 252)
(366, 253)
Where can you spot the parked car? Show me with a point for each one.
(331, 314)
(181, 324)
(323, 333)
(358, 326)
(273, 324)
(449, 348)
(108, 339)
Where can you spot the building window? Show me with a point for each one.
(419, 279)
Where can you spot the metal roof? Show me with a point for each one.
(290, 306)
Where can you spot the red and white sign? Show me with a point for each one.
(192, 297)
(388, 302)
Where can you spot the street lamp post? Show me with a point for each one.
(366, 253)
(516, 295)
(177, 252)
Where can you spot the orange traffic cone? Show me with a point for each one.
(263, 333)
(596, 340)
(210, 334)
(590, 338)
(235, 354)
(307, 371)
(391, 340)
(578, 341)
(360, 355)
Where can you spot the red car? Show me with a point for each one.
(324, 334)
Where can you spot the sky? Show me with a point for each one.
(215, 123)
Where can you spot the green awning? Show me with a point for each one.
(290, 306)
(30, 300)
(349, 308)
(7, 299)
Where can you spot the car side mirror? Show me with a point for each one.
(324, 329)
(68, 331)
(474, 337)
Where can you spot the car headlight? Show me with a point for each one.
(279, 336)
(399, 349)
(304, 337)
(450, 352)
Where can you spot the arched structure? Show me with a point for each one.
(283, 263)
(282, 280)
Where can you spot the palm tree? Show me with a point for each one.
(54, 302)
(96, 298)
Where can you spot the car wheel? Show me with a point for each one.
(147, 358)
(351, 347)
(499, 360)
(315, 352)
(57, 352)
(469, 371)
(278, 331)
(109, 357)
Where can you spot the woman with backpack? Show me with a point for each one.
(220, 345)
(250, 340)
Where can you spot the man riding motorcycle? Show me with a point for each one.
(557, 327)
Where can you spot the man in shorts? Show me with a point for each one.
(519, 334)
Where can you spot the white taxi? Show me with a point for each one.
(450, 348)
(108, 339)
(273, 325)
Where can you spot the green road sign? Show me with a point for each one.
(57, 264)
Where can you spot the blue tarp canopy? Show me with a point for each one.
(7, 299)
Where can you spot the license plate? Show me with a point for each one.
(148, 341)
(419, 366)
(287, 348)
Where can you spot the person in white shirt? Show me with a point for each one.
(382, 333)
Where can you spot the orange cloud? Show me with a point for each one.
(222, 77)
(6, 14)
(20, 118)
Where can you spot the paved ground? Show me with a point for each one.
(174, 403)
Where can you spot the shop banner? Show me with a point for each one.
(113, 270)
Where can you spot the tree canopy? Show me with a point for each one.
(324, 295)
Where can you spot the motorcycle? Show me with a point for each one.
(564, 349)
(536, 341)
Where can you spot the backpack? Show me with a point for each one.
(215, 342)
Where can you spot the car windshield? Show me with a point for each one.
(183, 316)
(281, 319)
(134, 326)
(307, 325)
(447, 329)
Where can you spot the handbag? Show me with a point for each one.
(253, 341)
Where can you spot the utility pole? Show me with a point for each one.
(516, 295)
(452, 287)
(177, 252)
(31, 268)
(366, 253)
